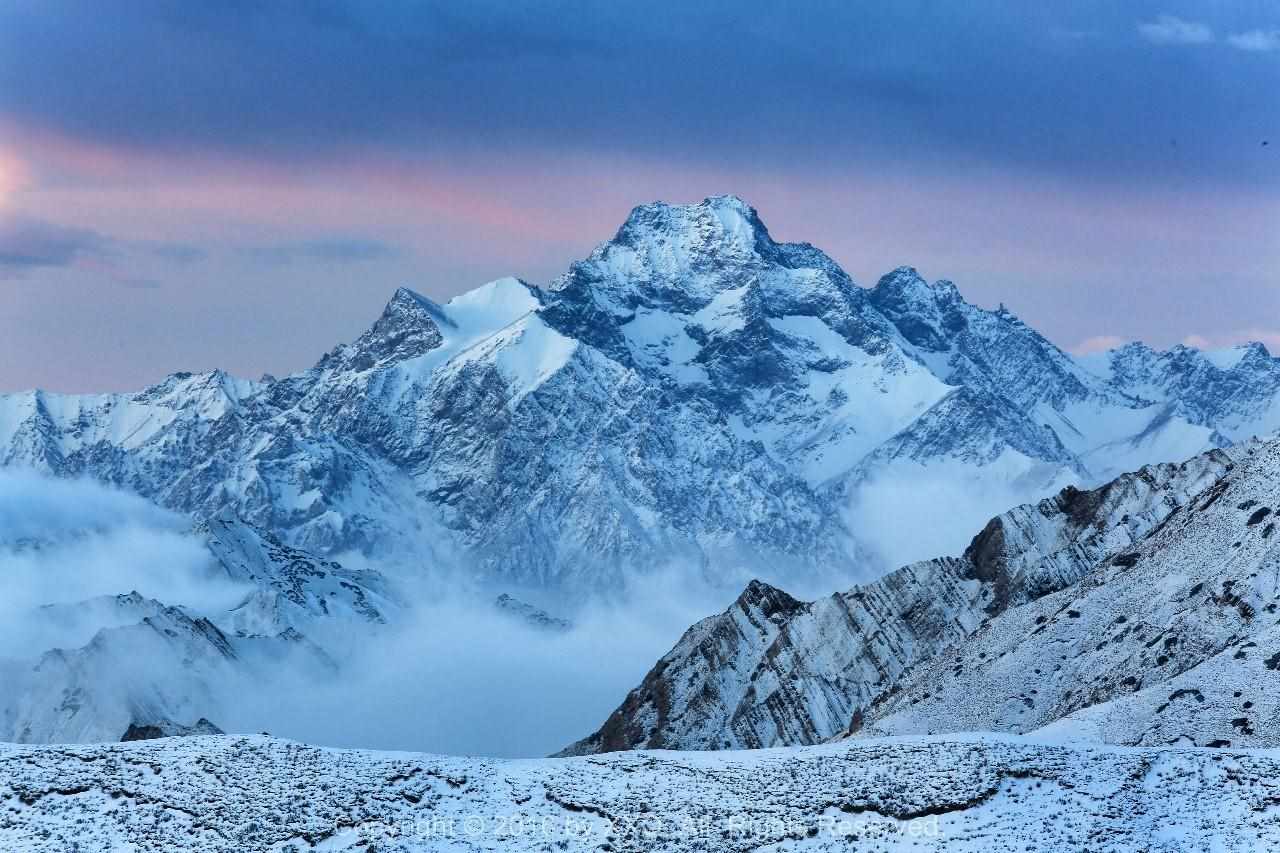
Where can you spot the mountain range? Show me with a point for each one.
(693, 393)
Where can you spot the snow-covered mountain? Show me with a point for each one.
(774, 671)
(152, 664)
(1234, 390)
(956, 794)
(1175, 640)
(692, 392)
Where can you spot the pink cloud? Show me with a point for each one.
(1067, 258)
(1098, 343)
(1198, 342)
(556, 205)
(1270, 338)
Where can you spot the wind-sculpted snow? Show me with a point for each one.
(694, 392)
(982, 795)
(773, 671)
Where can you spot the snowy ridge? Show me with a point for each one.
(1173, 640)
(966, 794)
(292, 589)
(693, 392)
(1234, 390)
(773, 671)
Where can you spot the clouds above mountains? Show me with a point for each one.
(65, 541)
(328, 79)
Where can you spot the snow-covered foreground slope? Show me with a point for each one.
(773, 671)
(973, 794)
(693, 393)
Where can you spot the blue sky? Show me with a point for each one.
(243, 184)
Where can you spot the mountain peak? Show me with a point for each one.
(727, 205)
(409, 327)
(906, 283)
(714, 225)
(210, 393)
(926, 314)
(731, 206)
(1248, 354)
(729, 201)
(408, 303)
(767, 599)
(1134, 348)
(1251, 355)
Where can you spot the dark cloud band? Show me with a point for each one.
(714, 81)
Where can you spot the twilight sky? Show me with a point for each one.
(189, 185)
